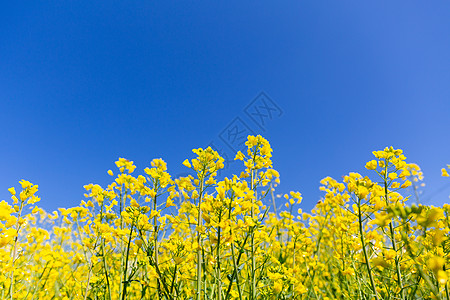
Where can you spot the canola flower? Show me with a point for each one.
(150, 236)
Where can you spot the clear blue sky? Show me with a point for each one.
(85, 82)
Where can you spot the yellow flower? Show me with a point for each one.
(159, 164)
(5, 210)
(25, 184)
(277, 286)
(169, 203)
(406, 184)
(436, 263)
(371, 165)
(154, 213)
(444, 173)
(348, 271)
(300, 288)
(152, 193)
(239, 156)
(379, 262)
(392, 176)
(186, 163)
(12, 190)
(442, 277)
(139, 243)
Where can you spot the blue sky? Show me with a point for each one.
(85, 82)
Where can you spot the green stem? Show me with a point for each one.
(293, 269)
(363, 244)
(11, 287)
(199, 237)
(155, 240)
(392, 235)
(252, 242)
(85, 257)
(219, 280)
(106, 269)
(235, 273)
(125, 281)
(103, 254)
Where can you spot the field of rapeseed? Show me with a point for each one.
(154, 237)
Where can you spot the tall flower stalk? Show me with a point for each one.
(206, 165)
(131, 241)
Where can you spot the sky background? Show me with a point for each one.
(85, 82)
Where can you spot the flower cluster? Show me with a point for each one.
(198, 237)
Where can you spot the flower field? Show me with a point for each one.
(150, 236)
